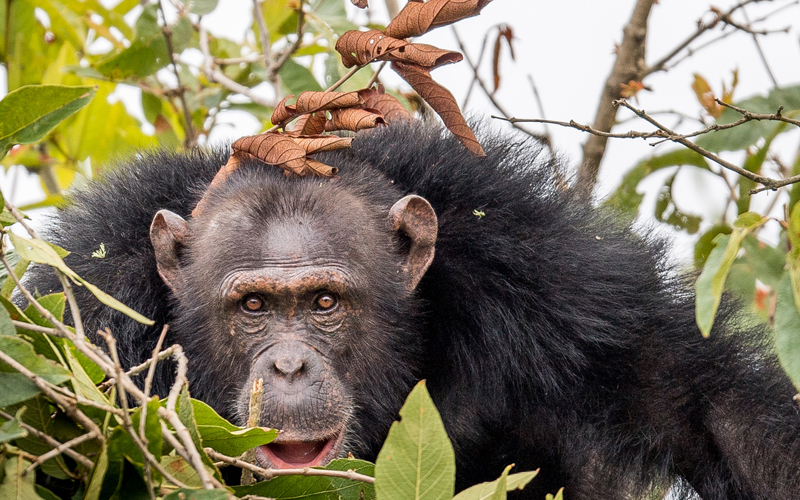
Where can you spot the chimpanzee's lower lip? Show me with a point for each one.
(299, 454)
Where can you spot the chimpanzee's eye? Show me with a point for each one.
(252, 303)
(325, 301)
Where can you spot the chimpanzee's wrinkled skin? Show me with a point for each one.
(550, 334)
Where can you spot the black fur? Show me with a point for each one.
(553, 337)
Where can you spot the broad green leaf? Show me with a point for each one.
(9, 284)
(668, 212)
(500, 490)
(787, 331)
(316, 487)
(280, 18)
(297, 78)
(23, 353)
(747, 134)
(81, 382)
(627, 199)
(181, 470)
(28, 113)
(203, 7)
(711, 282)
(43, 253)
(484, 491)
(152, 427)
(54, 302)
(15, 485)
(45, 493)
(148, 50)
(225, 437)
(95, 484)
(11, 430)
(6, 327)
(767, 261)
(417, 461)
(185, 410)
(705, 244)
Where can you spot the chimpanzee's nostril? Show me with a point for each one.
(289, 367)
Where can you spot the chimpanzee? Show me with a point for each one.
(550, 334)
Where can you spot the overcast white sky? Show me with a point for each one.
(567, 48)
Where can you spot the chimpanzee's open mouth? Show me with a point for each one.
(298, 454)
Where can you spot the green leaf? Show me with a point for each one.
(711, 282)
(745, 135)
(484, 491)
(225, 437)
(152, 426)
(54, 302)
(787, 330)
(95, 484)
(705, 244)
(6, 327)
(203, 7)
(297, 78)
(16, 486)
(28, 113)
(316, 487)
(15, 387)
(417, 461)
(9, 284)
(42, 252)
(558, 496)
(11, 430)
(627, 199)
(81, 382)
(148, 51)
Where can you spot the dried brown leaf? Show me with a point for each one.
(419, 17)
(309, 124)
(310, 102)
(273, 148)
(361, 4)
(283, 113)
(362, 47)
(322, 143)
(504, 32)
(354, 119)
(442, 101)
(391, 109)
(318, 169)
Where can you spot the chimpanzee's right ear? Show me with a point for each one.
(168, 233)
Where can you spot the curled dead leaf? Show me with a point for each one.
(311, 102)
(309, 124)
(504, 32)
(362, 47)
(391, 109)
(442, 101)
(419, 16)
(354, 119)
(322, 143)
(319, 169)
(361, 4)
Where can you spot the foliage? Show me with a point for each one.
(729, 254)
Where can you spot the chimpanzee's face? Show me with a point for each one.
(308, 300)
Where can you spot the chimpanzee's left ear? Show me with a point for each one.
(414, 217)
(168, 233)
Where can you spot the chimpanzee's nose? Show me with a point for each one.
(289, 366)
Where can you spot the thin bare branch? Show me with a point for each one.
(78, 457)
(280, 60)
(541, 137)
(263, 34)
(58, 450)
(628, 66)
(191, 138)
(306, 471)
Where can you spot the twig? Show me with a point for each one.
(263, 34)
(253, 419)
(761, 52)
(217, 76)
(628, 66)
(139, 441)
(44, 386)
(58, 450)
(305, 471)
(376, 74)
(166, 353)
(191, 139)
(73, 305)
(543, 138)
(78, 457)
(477, 65)
(343, 79)
(280, 60)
